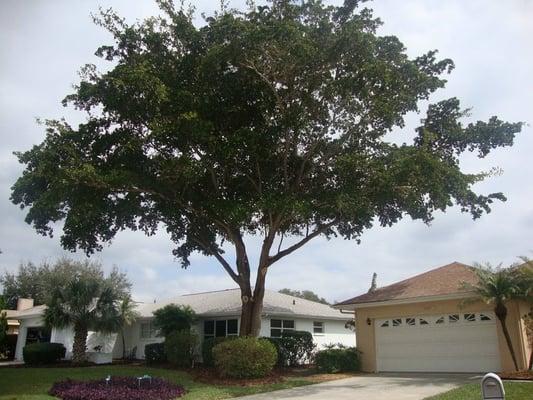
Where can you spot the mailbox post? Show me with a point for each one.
(492, 387)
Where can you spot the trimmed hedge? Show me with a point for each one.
(294, 348)
(179, 348)
(207, 349)
(43, 353)
(338, 360)
(245, 357)
(155, 353)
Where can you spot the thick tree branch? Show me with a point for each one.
(296, 246)
(210, 250)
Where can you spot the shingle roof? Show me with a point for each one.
(446, 280)
(228, 302)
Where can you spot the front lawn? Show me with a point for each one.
(34, 383)
(472, 391)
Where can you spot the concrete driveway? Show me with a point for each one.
(373, 387)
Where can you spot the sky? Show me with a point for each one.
(43, 44)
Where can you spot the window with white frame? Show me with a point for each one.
(278, 326)
(221, 328)
(318, 327)
(148, 330)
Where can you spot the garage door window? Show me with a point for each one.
(470, 317)
(453, 318)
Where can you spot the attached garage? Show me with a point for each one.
(459, 342)
(424, 324)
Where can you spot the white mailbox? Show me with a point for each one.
(492, 387)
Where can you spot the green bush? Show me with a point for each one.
(245, 357)
(334, 360)
(294, 348)
(43, 353)
(207, 349)
(180, 347)
(155, 353)
(174, 318)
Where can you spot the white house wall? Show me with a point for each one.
(23, 330)
(64, 336)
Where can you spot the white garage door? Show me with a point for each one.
(458, 342)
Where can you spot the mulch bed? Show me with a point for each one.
(520, 375)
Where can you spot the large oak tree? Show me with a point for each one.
(276, 121)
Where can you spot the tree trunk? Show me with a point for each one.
(79, 345)
(530, 367)
(501, 312)
(252, 306)
(123, 344)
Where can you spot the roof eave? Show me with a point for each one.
(410, 300)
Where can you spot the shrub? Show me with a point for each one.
(294, 347)
(334, 360)
(155, 353)
(43, 353)
(174, 318)
(180, 347)
(119, 388)
(207, 349)
(245, 357)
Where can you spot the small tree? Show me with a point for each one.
(127, 316)
(497, 287)
(85, 303)
(174, 318)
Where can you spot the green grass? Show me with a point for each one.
(34, 383)
(513, 391)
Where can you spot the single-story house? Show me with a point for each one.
(219, 316)
(430, 323)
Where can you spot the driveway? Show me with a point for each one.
(373, 387)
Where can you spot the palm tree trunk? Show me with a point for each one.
(123, 344)
(80, 344)
(530, 367)
(501, 312)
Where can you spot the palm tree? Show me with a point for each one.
(526, 269)
(85, 303)
(497, 287)
(128, 315)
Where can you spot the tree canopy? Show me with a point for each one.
(38, 281)
(305, 294)
(279, 121)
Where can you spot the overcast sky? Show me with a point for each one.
(43, 43)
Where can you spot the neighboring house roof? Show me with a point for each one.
(444, 281)
(228, 302)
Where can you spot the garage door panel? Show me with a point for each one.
(444, 343)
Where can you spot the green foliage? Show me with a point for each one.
(180, 347)
(294, 347)
(155, 353)
(85, 302)
(338, 359)
(278, 121)
(43, 353)
(207, 349)
(305, 294)
(39, 281)
(173, 318)
(245, 357)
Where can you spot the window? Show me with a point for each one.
(440, 321)
(148, 330)
(385, 324)
(410, 321)
(470, 317)
(483, 317)
(221, 328)
(422, 321)
(318, 327)
(453, 318)
(397, 322)
(277, 326)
